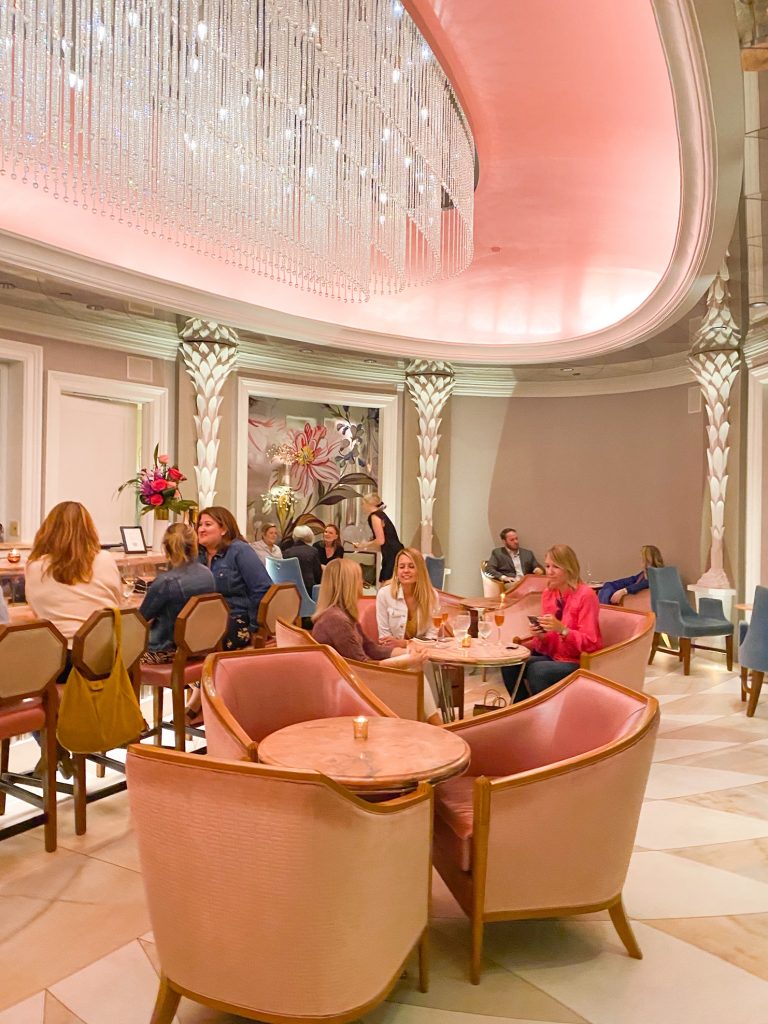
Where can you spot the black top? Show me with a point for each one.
(319, 547)
(392, 544)
(309, 563)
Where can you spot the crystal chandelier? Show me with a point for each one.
(317, 142)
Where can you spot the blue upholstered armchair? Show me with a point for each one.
(288, 570)
(676, 618)
(436, 570)
(753, 651)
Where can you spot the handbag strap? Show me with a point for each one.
(118, 626)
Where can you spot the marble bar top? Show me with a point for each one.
(397, 755)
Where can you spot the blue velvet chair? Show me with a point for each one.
(753, 651)
(436, 570)
(288, 570)
(676, 618)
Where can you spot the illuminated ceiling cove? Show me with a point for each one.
(609, 138)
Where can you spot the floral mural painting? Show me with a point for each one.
(313, 474)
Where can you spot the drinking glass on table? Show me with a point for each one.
(484, 629)
(461, 624)
(129, 585)
(498, 618)
(437, 621)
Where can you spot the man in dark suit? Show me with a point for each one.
(309, 557)
(508, 563)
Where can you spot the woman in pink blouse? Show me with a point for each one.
(568, 625)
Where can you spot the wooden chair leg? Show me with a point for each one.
(177, 700)
(654, 647)
(475, 966)
(166, 1004)
(49, 783)
(744, 673)
(624, 929)
(685, 654)
(5, 753)
(754, 692)
(729, 652)
(424, 961)
(100, 769)
(78, 781)
(157, 714)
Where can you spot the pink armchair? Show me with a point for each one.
(401, 689)
(627, 638)
(307, 902)
(544, 822)
(249, 694)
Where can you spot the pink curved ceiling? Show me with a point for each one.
(577, 205)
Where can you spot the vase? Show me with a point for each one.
(157, 524)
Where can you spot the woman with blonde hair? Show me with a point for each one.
(405, 607)
(385, 538)
(337, 623)
(68, 576)
(615, 591)
(568, 625)
(170, 591)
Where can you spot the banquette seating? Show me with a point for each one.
(401, 689)
(32, 655)
(199, 628)
(277, 930)
(249, 694)
(544, 822)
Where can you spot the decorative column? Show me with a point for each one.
(209, 351)
(430, 385)
(715, 358)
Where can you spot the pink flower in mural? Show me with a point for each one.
(314, 459)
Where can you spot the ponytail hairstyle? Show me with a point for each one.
(180, 544)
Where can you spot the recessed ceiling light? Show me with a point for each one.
(7, 284)
(95, 308)
(759, 304)
(306, 351)
(495, 248)
(65, 295)
(570, 371)
(371, 361)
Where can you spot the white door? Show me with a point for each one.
(99, 440)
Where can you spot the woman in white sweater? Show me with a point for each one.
(407, 605)
(68, 576)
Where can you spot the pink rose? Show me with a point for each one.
(156, 499)
(163, 460)
(175, 474)
(160, 484)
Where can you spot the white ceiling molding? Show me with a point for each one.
(701, 46)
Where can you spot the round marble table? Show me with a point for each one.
(397, 755)
(479, 654)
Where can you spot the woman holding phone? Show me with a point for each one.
(568, 625)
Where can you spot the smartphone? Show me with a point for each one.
(534, 621)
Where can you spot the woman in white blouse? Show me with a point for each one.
(407, 604)
(268, 543)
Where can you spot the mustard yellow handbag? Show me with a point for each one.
(100, 714)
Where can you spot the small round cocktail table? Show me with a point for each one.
(479, 654)
(397, 755)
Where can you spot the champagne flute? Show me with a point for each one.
(498, 618)
(437, 621)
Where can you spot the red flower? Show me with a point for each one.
(175, 474)
(159, 485)
(156, 499)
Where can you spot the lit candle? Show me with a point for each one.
(466, 641)
(360, 727)
(14, 556)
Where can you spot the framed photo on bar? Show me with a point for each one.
(133, 540)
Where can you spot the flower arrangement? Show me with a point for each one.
(157, 488)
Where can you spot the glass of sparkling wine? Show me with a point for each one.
(498, 618)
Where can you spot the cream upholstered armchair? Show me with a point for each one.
(401, 689)
(308, 900)
(544, 822)
(249, 694)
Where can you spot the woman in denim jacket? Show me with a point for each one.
(238, 573)
(168, 594)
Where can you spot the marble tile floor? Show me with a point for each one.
(77, 948)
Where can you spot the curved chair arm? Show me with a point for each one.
(669, 619)
(712, 608)
(401, 689)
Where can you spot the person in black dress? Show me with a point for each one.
(385, 538)
(330, 546)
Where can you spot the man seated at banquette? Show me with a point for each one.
(568, 625)
(308, 556)
(510, 562)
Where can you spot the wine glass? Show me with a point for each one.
(129, 585)
(437, 621)
(498, 618)
(484, 629)
(462, 623)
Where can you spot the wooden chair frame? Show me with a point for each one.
(262, 634)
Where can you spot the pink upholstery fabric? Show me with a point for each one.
(453, 805)
(617, 626)
(288, 635)
(529, 584)
(266, 691)
(627, 639)
(640, 602)
(367, 615)
(308, 901)
(17, 719)
(160, 675)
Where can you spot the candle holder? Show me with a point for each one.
(360, 727)
(466, 640)
(14, 556)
